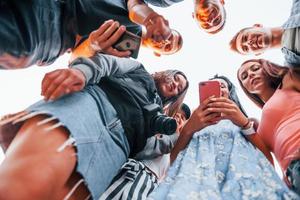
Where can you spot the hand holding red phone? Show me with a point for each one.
(229, 110)
(201, 117)
(209, 89)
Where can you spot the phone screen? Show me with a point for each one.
(209, 88)
(129, 41)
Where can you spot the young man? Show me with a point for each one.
(258, 39)
(38, 32)
(139, 177)
(210, 15)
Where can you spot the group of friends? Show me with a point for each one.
(102, 130)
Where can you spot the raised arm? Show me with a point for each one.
(229, 110)
(257, 141)
(101, 65)
(156, 25)
(84, 71)
(101, 41)
(200, 118)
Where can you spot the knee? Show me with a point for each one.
(17, 184)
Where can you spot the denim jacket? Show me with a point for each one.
(162, 3)
(291, 58)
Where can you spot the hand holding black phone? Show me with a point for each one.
(129, 41)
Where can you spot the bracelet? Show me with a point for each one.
(246, 124)
(250, 130)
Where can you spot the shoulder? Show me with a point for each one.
(292, 80)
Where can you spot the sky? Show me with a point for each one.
(202, 56)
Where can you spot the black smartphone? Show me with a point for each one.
(129, 41)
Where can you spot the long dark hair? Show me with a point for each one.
(274, 73)
(232, 92)
(173, 104)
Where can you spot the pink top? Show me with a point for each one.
(280, 125)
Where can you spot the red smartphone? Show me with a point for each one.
(209, 88)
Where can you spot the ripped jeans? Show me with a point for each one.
(95, 131)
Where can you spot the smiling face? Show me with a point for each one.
(210, 15)
(253, 78)
(253, 40)
(166, 47)
(172, 86)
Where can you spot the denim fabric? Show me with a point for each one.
(294, 19)
(101, 144)
(292, 57)
(92, 13)
(27, 32)
(293, 174)
(163, 3)
(219, 163)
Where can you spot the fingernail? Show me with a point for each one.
(110, 20)
(117, 24)
(123, 28)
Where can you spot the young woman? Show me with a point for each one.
(75, 145)
(218, 163)
(275, 89)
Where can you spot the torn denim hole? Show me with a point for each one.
(12, 117)
(54, 126)
(74, 154)
(73, 189)
(88, 197)
(44, 121)
(67, 143)
(30, 115)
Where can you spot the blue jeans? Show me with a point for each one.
(95, 131)
(293, 174)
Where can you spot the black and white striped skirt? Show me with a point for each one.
(135, 181)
